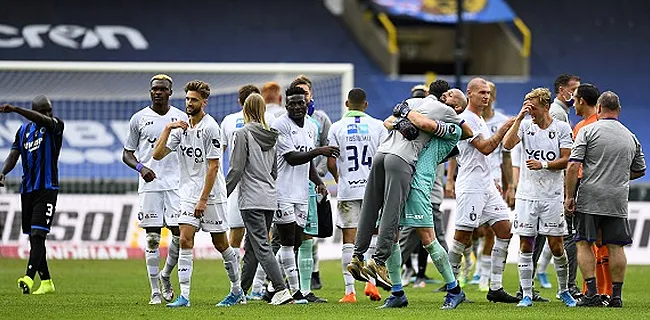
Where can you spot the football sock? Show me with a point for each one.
(371, 251)
(172, 257)
(441, 261)
(562, 271)
(260, 278)
(486, 266)
(479, 256)
(591, 287)
(617, 289)
(287, 260)
(314, 253)
(525, 267)
(456, 256)
(305, 265)
(499, 256)
(36, 252)
(467, 254)
(44, 271)
(152, 258)
(423, 259)
(394, 264)
(231, 264)
(348, 250)
(185, 262)
(544, 259)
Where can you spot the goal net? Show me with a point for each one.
(96, 100)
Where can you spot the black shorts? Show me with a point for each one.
(613, 230)
(38, 209)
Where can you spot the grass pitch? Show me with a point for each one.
(120, 290)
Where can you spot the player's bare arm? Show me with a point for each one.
(558, 164)
(315, 178)
(297, 158)
(31, 115)
(511, 139)
(160, 150)
(9, 164)
(486, 146)
(450, 185)
(331, 167)
(506, 177)
(570, 185)
(210, 178)
(128, 157)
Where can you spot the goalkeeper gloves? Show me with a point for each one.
(406, 128)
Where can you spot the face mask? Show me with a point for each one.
(311, 107)
(569, 103)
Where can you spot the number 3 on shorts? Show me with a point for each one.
(50, 209)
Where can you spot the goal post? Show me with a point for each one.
(96, 100)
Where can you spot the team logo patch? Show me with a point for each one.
(352, 129)
(42, 130)
(363, 128)
(551, 135)
(216, 143)
(239, 123)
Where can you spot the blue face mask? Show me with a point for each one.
(311, 107)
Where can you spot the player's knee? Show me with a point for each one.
(36, 233)
(556, 244)
(526, 244)
(153, 240)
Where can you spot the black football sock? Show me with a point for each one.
(35, 255)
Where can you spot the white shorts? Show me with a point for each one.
(291, 212)
(213, 220)
(545, 217)
(159, 209)
(475, 209)
(234, 215)
(348, 213)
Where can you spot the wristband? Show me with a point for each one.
(544, 165)
(138, 167)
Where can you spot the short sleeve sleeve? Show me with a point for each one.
(174, 139)
(638, 163)
(579, 147)
(133, 136)
(212, 143)
(285, 142)
(564, 137)
(16, 144)
(331, 137)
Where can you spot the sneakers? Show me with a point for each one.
(395, 302)
(615, 303)
(179, 302)
(282, 297)
(155, 299)
(356, 268)
(419, 283)
(568, 300)
(380, 273)
(25, 284)
(315, 281)
(268, 296)
(525, 302)
(255, 296)
(575, 292)
(349, 298)
(298, 298)
(501, 296)
(312, 298)
(231, 299)
(453, 300)
(406, 276)
(536, 296)
(167, 290)
(47, 286)
(593, 301)
(543, 280)
(475, 279)
(372, 292)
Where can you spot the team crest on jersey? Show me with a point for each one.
(239, 123)
(215, 143)
(42, 130)
(493, 129)
(174, 119)
(198, 133)
(551, 135)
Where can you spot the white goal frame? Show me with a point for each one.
(345, 70)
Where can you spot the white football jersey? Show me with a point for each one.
(145, 127)
(542, 145)
(293, 181)
(473, 166)
(235, 121)
(358, 139)
(496, 157)
(195, 147)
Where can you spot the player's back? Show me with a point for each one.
(145, 127)
(196, 146)
(358, 138)
(473, 167)
(293, 138)
(542, 145)
(39, 152)
(235, 121)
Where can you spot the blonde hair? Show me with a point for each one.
(161, 77)
(543, 95)
(254, 109)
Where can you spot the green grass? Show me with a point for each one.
(120, 290)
